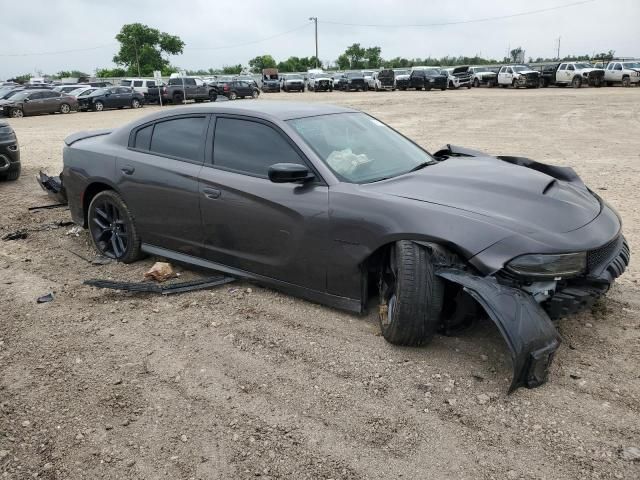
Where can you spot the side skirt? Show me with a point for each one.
(343, 303)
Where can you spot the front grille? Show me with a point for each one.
(600, 255)
(532, 75)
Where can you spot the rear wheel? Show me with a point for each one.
(112, 227)
(65, 108)
(233, 96)
(255, 94)
(177, 99)
(98, 106)
(135, 103)
(411, 295)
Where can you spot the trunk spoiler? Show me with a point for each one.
(75, 137)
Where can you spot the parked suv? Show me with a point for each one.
(518, 76)
(9, 153)
(625, 72)
(140, 85)
(240, 89)
(190, 88)
(292, 82)
(34, 102)
(113, 97)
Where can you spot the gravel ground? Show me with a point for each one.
(243, 382)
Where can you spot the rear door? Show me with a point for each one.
(277, 230)
(51, 101)
(158, 177)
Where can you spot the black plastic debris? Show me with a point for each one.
(17, 235)
(47, 207)
(45, 298)
(53, 187)
(165, 289)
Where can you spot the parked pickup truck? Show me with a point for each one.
(626, 73)
(459, 76)
(518, 76)
(575, 74)
(385, 80)
(483, 76)
(190, 88)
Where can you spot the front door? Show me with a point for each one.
(158, 178)
(277, 230)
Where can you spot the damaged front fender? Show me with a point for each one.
(531, 336)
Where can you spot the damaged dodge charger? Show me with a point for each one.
(332, 205)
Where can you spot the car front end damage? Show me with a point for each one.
(524, 293)
(323, 85)
(528, 79)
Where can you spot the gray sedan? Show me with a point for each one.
(330, 204)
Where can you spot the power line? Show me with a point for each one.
(461, 22)
(29, 54)
(253, 41)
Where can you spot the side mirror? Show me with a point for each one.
(288, 173)
(26, 100)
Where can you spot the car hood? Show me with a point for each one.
(513, 196)
(485, 74)
(525, 72)
(402, 77)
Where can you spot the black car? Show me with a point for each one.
(427, 79)
(352, 81)
(330, 204)
(240, 89)
(111, 97)
(9, 153)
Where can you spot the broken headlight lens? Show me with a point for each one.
(556, 265)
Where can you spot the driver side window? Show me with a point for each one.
(249, 147)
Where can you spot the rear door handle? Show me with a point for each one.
(128, 170)
(211, 193)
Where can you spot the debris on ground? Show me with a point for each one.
(53, 187)
(631, 454)
(47, 207)
(160, 272)
(168, 289)
(45, 298)
(101, 260)
(75, 230)
(17, 235)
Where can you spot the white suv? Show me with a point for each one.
(140, 85)
(625, 72)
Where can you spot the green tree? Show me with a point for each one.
(261, 62)
(110, 72)
(71, 74)
(355, 53)
(22, 78)
(372, 54)
(515, 54)
(142, 47)
(232, 69)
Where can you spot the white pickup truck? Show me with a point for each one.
(625, 72)
(518, 76)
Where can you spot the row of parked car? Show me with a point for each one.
(576, 74)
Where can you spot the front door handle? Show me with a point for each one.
(211, 193)
(128, 170)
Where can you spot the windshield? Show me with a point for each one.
(631, 65)
(520, 68)
(77, 91)
(580, 66)
(354, 75)
(10, 94)
(86, 92)
(402, 72)
(432, 72)
(480, 69)
(20, 95)
(358, 148)
(100, 91)
(293, 77)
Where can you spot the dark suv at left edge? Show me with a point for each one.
(9, 153)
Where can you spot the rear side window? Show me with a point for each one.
(137, 83)
(151, 83)
(143, 138)
(250, 147)
(126, 83)
(182, 138)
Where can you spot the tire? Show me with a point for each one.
(98, 106)
(112, 227)
(411, 296)
(65, 108)
(16, 113)
(514, 84)
(576, 82)
(418, 89)
(255, 94)
(542, 83)
(11, 175)
(135, 103)
(476, 83)
(177, 99)
(626, 82)
(233, 96)
(428, 88)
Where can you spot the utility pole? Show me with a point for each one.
(559, 48)
(315, 21)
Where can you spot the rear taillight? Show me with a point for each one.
(226, 88)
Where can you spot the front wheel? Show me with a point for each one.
(112, 227)
(411, 295)
(476, 83)
(135, 103)
(233, 96)
(16, 113)
(626, 82)
(98, 106)
(576, 82)
(255, 94)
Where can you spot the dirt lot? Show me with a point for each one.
(242, 382)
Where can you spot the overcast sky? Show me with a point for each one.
(37, 26)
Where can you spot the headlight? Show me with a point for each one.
(559, 265)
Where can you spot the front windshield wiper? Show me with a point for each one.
(420, 166)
